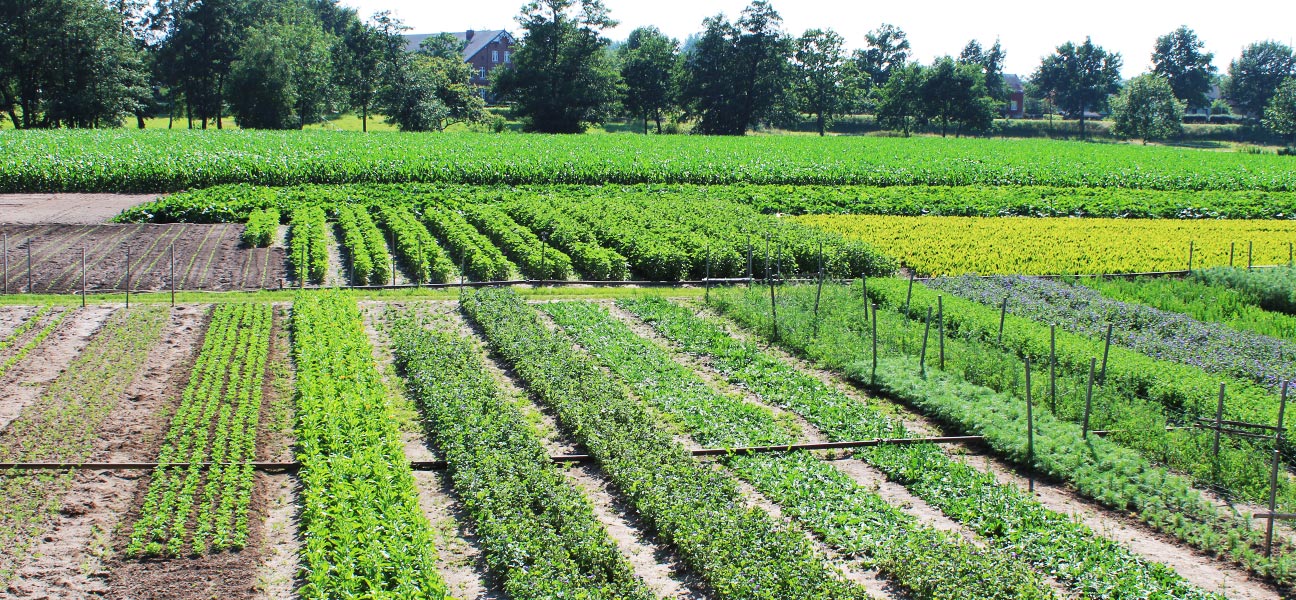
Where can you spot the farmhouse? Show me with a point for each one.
(484, 50)
(1016, 106)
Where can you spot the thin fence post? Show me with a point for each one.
(767, 255)
(83, 274)
(418, 278)
(1273, 474)
(940, 328)
(922, 355)
(818, 291)
(393, 256)
(1030, 428)
(463, 272)
(1102, 378)
(1289, 254)
(1053, 369)
(773, 309)
(873, 377)
(1231, 245)
(30, 289)
(1003, 314)
(1250, 245)
(1219, 426)
(6, 262)
(1088, 399)
(909, 294)
(1190, 255)
(544, 257)
(707, 297)
(750, 265)
(171, 251)
(128, 277)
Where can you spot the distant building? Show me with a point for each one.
(1016, 106)
(1203, 114)
(484, 50)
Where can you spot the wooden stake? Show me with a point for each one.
(29, 269)
(171, 251)
(707, 297)
(1231, 244)
(128, 277)
(750, 265)
(922, 355)
(1190, 256)
(544, 257)
(818, 291)
(83, 274)
(773, 310)
(1030, 428)
(1249, 247)
(873, 378)
(1273, 474)
(393, 256)
(864, 293)
(1088, 399)
(1219, 425)
(1003, 314)
(6, 263)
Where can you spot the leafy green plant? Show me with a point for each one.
(535, 258)
(308, 244)
(262, 228)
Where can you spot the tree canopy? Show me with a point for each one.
(738, 74)
(820, 60)
(1147, 109)
(1280, 115)
(1078, 78)
(1255, 76)
(1178, 57)
(648, 67)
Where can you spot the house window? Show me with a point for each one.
(494, 56)
(1014, 106)
(482, 72)
(506, 56)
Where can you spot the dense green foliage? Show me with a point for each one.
(1078, 78)
(262, 228)
(1254, 77)
(424, 260)
(1271, 289)
(740, 552)
(738, 73)
(216, 423)
(470, 249)
(1235, 306)
(308, 244)
(540, 535)
(847, 515)
(361, 264)
(535, 258)
(1178, 57)
(1099, 469)
(1147, 109)
(364, 533)
(92, 161)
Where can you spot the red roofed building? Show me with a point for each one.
(484, 50)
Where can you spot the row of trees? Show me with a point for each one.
(740, 74)
(274, 64)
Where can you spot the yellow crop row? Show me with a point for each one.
(1032, 246)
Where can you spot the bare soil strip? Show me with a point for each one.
(12, 317)
(80, 209)
(27, 380)
(73, 559)
(276, 577)
(1206, 572)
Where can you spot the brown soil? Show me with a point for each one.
(207, 257)
(75, 558)
(276, 577)
(27, 380)
(78, 209)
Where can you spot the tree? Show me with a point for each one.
(1256, 75)
(201, 46)
(820, 68)
(1148, 109)
(738, 74)
(648, 60)
(375, 54)
(900, 99)
(888, 50)
(434, 92)
(991, 63)
(443, 45)
(1078, 78)
(953, 95)
(1178, 58)
(562, 79)
(1280, 115)
(282, 77)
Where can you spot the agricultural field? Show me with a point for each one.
(634, 367)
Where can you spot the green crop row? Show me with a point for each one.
(589, 258)
(215, 423)
(22, 329)
(353, 241)
(64, 426)
(1272, 289)
(364, 533)
(540, 536)
(262, 228)
(1099, 469)
(740, 552)
(51, 324)
(308, 244)
(850, 518)
(1009, 519)
(535, 258)
(155, 161)
(1217, 302)
(482, 260)
(415, 247)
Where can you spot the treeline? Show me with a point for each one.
(270, 64)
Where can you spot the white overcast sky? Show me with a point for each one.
(1028, 30)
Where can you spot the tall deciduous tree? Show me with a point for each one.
(282, 77)
(1178, 57)
(433, 93)
(888, 50)
(648, 67)
(1255, 76)
(900, 99)
(1147, 109)
(991, 63)
(1078, 78)
(953, 95)
(1280, 115)
(562, 79)
(820, 68)
(202, 45)
(738, 74)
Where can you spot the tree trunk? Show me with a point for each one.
(657, 117)
(645, 116)
(820, 121)
(139, 119)
(364, 118)
(1082, 124)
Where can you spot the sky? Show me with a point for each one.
(1027, 30)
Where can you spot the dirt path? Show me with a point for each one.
(12, 317)
(67, 208)
(28, 379)
(73, 559)
(276, 577)
(1206, 572)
